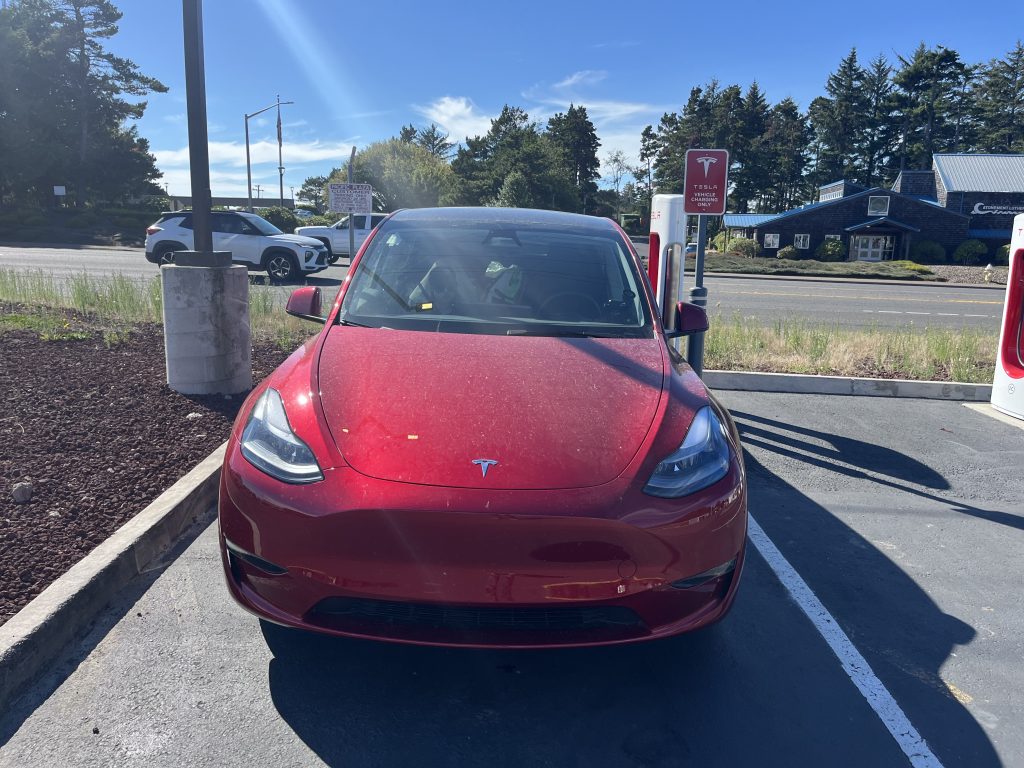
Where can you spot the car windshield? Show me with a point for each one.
(498, 278)
(264, 226)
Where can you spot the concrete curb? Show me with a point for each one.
(35, 637)
(745, 381)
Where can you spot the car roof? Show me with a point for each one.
(517, 217)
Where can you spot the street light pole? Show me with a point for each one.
(248, 162)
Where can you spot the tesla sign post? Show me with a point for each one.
(705, 189)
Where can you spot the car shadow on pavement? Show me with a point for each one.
(856, 459)
(760, 688)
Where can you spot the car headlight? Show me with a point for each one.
(270, 445)
(310, 255)
(702, 459)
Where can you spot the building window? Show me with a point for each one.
(833, 237)
(878, 205)
(802, 241)
(771, 241)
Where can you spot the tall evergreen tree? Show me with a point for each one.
(784, 154)
(838, 120)
(1000, 103)
(932, 88)
(70, 98)
(750, 154)
(513, 143)
(880, 131)
(575, 137)
(435, 142)
(408, 134)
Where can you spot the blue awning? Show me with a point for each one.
(990, 234)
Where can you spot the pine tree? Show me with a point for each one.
(880, 132)
(575, 137)
(435, 142)
(1000, 103)
(838, 121)
(932, 88)
(65, 95)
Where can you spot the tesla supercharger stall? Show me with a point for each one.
(1008, 385)
(666, 254)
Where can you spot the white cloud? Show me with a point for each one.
(227, 164)
(583, 77)
(458, 116)
(232, 153)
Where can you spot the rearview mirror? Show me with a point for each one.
(690, 319)
(306, 303)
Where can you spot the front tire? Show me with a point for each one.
(332, 257)
(281, 267)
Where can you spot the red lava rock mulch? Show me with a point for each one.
(99, 435)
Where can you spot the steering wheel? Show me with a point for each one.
(571, 307)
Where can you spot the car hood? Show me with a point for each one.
(431, 408)
(298, 240)
(299, 231)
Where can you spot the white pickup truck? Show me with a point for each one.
(335, 237)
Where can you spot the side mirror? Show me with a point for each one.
(306, 303)
(689, 319)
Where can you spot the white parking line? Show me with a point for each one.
(853, 663)
(918, 313)
(889, 312)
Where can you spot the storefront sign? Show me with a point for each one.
(706, 182)
(998, 210)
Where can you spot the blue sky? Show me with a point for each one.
(357, 72)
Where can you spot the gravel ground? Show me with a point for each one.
(99, 435)
(954, 273)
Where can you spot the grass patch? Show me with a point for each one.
(794, 346)
(733, 343)
(113, 304)
(46, 326)
(882, 270)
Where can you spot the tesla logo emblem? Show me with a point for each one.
(485, 464)
(707, 162)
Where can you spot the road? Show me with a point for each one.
(909, 537)
(857, 305)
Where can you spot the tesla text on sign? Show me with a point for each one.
(351, 198)
(706, 182)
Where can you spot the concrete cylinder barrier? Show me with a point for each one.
(206, 329)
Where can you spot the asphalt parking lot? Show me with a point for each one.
(904, 518)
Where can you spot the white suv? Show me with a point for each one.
(335, 237)
(253, 241)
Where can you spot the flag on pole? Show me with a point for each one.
(279, 127)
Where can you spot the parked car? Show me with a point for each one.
(490, 443)
(335, 237)
(691, 249)
(252, 240)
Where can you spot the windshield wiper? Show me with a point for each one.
(563, 333)
(353, 323)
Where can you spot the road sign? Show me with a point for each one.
(351, 198)
(706, 183)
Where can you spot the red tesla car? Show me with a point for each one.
(491, 443)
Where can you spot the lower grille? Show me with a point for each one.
(427, 616)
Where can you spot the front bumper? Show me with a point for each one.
(361, 557)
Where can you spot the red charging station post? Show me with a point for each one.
(705, 190)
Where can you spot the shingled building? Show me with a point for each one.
(962, 197)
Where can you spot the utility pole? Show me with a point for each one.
(280, 162)
(258, 188)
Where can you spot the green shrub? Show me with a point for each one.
(831, 250)
(1003, 254)
(789, 252)
(720, 241)
(970, 252)
(81, 220)
(282, 218)
(32, 219)
(927, 252)
(744, 247)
